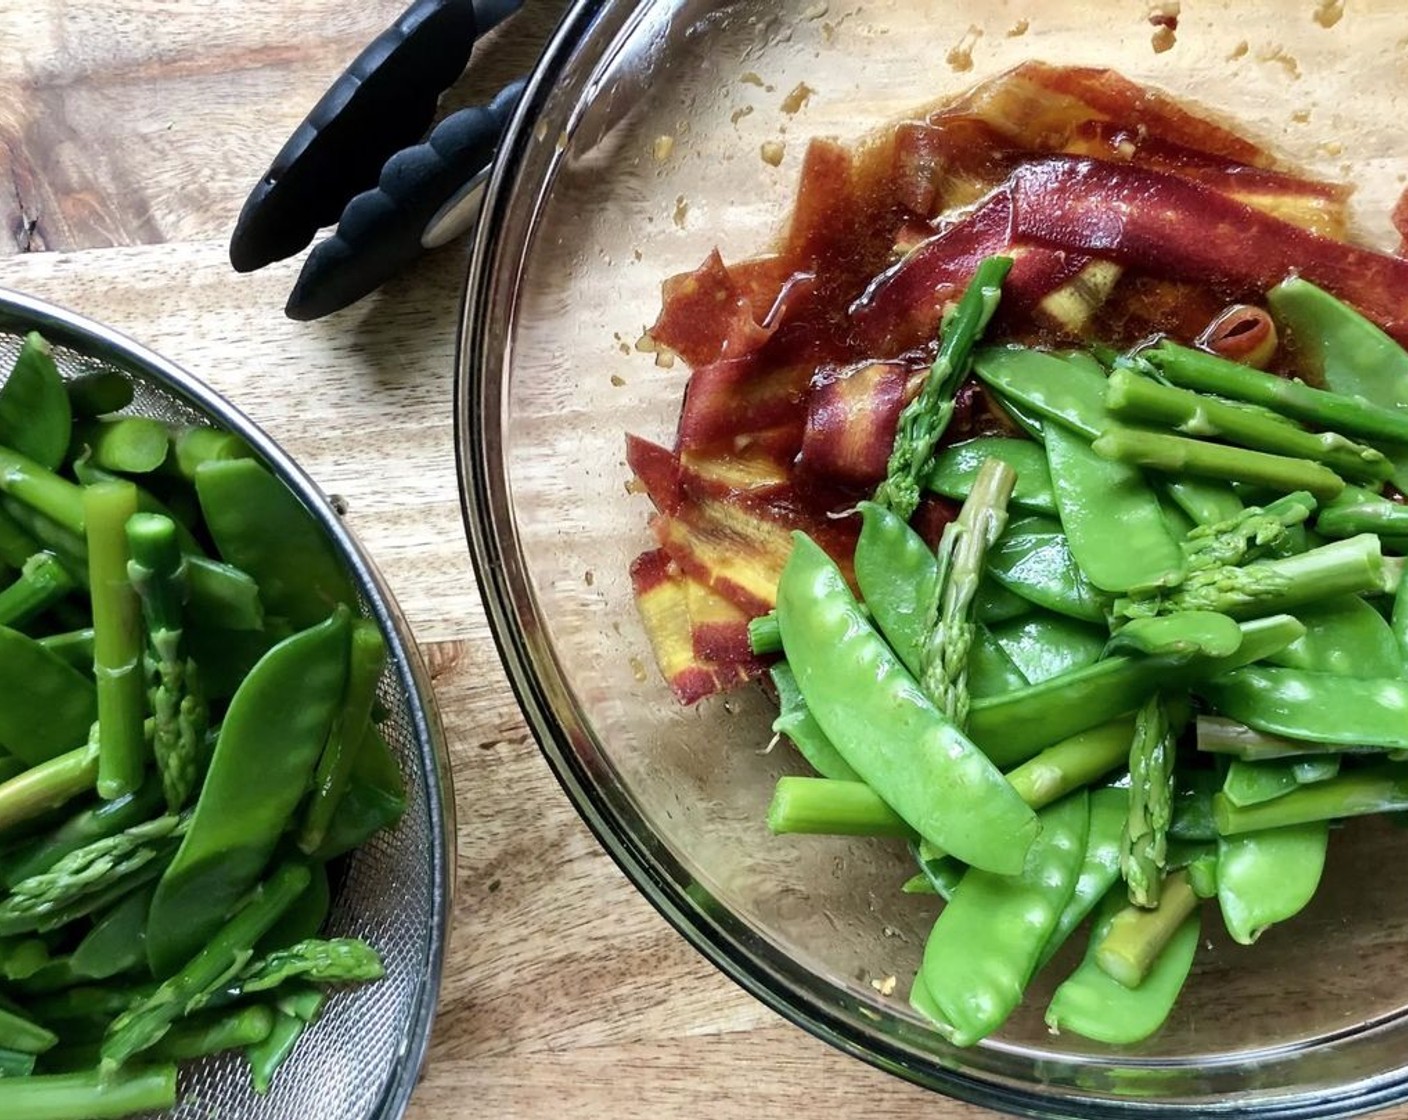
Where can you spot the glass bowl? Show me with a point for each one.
(637, 150)
(362, 1059)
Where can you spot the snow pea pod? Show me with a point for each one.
(1345, 351)
(1344, 636)
(1013, 727)
(798, 724)
(261, 528)
(1049, 386)
(994, 603)
(1033, 559)
(1251, 783)
(269, 744)
(1316, 768)
(990, 671)
(46, 706)
(1267, 877)
(887, 729)
(898, 576)
(1179, 636)
(1319, 707)
(35, 415)
(375, 800)
(1094, 1005)
(985, 944)
(1373, 789)
(1100, 868)
(1044, 645)
(1205, 501)
(1102, 501)
(957, 466)
(117, 943)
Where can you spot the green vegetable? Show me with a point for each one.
(1144, 843)
(117, 640)
(342, 960)
(898, 575)
(1093, 1004)
(89, 1095)
(962, 550)
(1250, 783)
(46, 706)
(126, 444)
(1044, 645)
(1098, 499)
(1180, 636)
(956, 467)
(796, 722)
(42, 582)
(264, 761)
(292, 1015)
(889, 733)
(49, 785)
(158, 574)
(1317, 707)
(1131, 397)
(988, 939)
(832, 807)
(1033, 560)
(1377, 789)
(222, 957)
(1046, 385)
(1138, 935)
(1099, 869)
(35, 416)
(261, 528)
(1140, 447)
(1266, 877)
(925, 419)
(1195, 369)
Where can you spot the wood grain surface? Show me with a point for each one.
(130, 133)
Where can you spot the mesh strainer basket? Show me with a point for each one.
(362, 1058)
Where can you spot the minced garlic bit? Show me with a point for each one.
(960, 58)
(1163, 39)
(663, 146)
(751, 79)
(772, 151)
(739, 113)
(681, 209)
(794, 101)
(1329, 12)
(1018, 29)
(885, 987)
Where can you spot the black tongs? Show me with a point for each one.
(356, 160)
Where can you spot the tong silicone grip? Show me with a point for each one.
(383, 229)
(383, 101)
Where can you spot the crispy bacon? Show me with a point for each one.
(1170, 227)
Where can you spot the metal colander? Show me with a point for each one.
(362, 1058)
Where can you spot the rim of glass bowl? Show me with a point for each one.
(571, 69)
(88, 337)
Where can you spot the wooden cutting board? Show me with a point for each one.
(130, 133)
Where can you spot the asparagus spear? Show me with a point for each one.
(157, 571)
(292, 1016)
(143, 1025)
(85, 872)
(1247, 535)
(26, 481)
(48, 785)
(365, 663)
(1195, 369)
(89, 1095)
(339, 960)
(962, 550)
(117, 639)
(1377, 789)
(18, 1032)
(16, 545)
(214, 1033)
(1347, 567)
(1144, 844)
(1137, 935)
(1142, 447)
(925, 418)
(42, 582)
(1131, 397)
(840, 808)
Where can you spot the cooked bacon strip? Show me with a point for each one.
(1043, 108)
(1171, 227)
(663, 596)
(851, 419)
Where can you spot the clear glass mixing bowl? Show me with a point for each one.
(588, 211)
